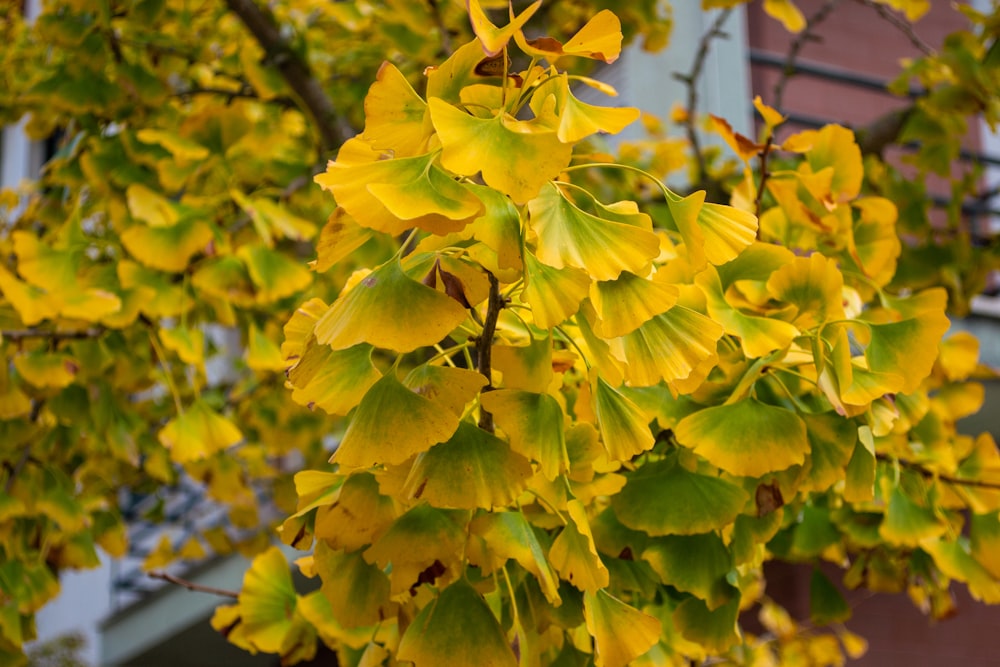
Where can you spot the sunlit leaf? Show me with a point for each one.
(621, 633)
(625, 303)
(955, 561)
(472, 469)
(396, 118)
(908, 346)
(578, 120)
(907, 523)
(604, 247)
(267, 601)
(747, 438)
(388, 309)
(392, 423)
(663, 498)
(574, 555)
(553, 294)
(451, 388)
(624, 427)
(527, 367)
(786, 12)
(45, 369)
(524, 154)
(167, 248)
(456, 628)
(338, 238)
(358, 515)
(671, 346)
(263, 353)
(814, 286)
(600, 38)
(334, 380)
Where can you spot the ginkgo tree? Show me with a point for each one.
(575, 410)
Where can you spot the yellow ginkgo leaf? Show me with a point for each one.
(746, 438)
(299, 328)
(959, 355)
(451, 388)
(392, 424)
(340, 236)
(47, 369)
(534, 424)
(525, 154)
(492, 38)
(908, 346)
(167, 248)
(623, 425)
(574, 555)
(527, 367)
(274, 274)
(671, 346)
(553, 294)
(599, 39)
(198, 432)
(333, 380)
(772, 118)
(223, 278)
(187, 343)
(357, 516)
(262, 352)
(577, 119)
(267, 601)
(603, 245)
(786, 12)
(456, 628)
(357, 590)
(814, 286)
(744, 148)
(396, 118)
(472, 469)
(392, 196)
(832, 146)
(711, 232)
(622, 305)
(33, 304)
(621, 633)
(506, 535)
(387, 309)
(151, 207)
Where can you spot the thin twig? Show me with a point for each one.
(484, 346)
(691, 81)
(192, 586)
(903, 26)
(317, 104)
(930, 474)
(806, 35)
(22, 334)
(764, 174)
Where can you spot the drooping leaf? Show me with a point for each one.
(746, 438)
(578, 120)
(696, 564)
(267, 601)
(492, 38)
(388, 309)
(358, 591)
(334, 380)
(553, 294)
(396, 118)
(600, 38)
(534, 424)
(198, 432)
(621, 633)
(907, 523)
(663, 498)
(716, 629)
(452, 388)
(671, 346)
(507, 535)
(338, 238)
(574, 555)
(392, 423)
(472, 469)
(826, 602)
(623, 304)
(624, 427)
(527, 367)
(456, 628)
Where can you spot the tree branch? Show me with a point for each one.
(903, 26)
(793, 52)
(484, 346)
(691, 81)
(930, 474)
(313, 98)
(192, 586)
(23, 334)
(878, 135)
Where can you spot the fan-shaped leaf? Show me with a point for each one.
(534, 424)
(574, 555)
(621, 633)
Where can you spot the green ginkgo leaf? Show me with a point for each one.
(696, 564)
(553, 294)
(472, 469)
(356, 516)
(955, 561)
(574, 555)
(392, 424)
(275, 275)
(712, 232)
(224, 278)
(452, 388)
(358, 591)
(758, 335)
(267, 601)
(663, 498)
(498, 228)
(624, 427)
(715, 629)
(621, 633)
(506, 535)
(907, 523)
(524, 154)
(831, 444)
(826, 602)
(670, 346)
(625, 303)
(392, 196)
(746, 438)
(456, 628)
(333, 380)
(534, 424)
(909, 346)
(578, 120)
(814, 286)
(604, 247)
(859, 478)
(387, 309)
(340, 237)
(198, 432)
(167, 248)
(47, 369)
(455, 74)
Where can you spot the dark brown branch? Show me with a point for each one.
(930, 474)
(484, 346)
(803, 37)
(764, 174)
(192, 586)
(903, 26)
(875, 137)
(313, 98)
(691, 81)
(23, 334)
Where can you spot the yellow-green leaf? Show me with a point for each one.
(267, 601)
(624, 427)
(198, 432)
(492, 38)
(574, 555)
(506, 535)
(334, 380)
(167, 248)
(358, 591)
(553, 294)
(696, 564)
(396, 118)
(625, 303)
(534, 424)
(452, 388)
(671, 347)
(578, 120)
(621, 633)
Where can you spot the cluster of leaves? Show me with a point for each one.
(583, 410)
(147, 273)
